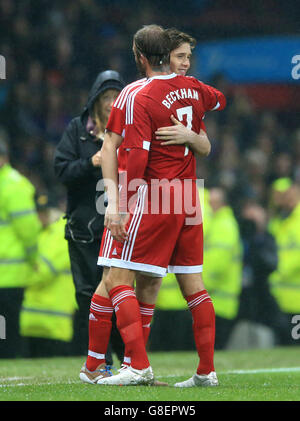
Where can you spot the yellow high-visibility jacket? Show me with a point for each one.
(49, 303)
(19, 228)
(169, 296)
(285, 281)
(222, 265)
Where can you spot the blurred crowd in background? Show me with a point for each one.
(54, 51)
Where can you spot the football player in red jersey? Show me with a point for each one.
(122, 293)
(146, 287)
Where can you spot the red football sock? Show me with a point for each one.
(101, 311)
(201, 307)
(129, 324)
(147, 311)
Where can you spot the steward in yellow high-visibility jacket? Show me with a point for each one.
(222, 263)
(19, 229)
(49, 302)
(285, 281)
(276, 207)
(222, 266)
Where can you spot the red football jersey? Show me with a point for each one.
(116, 121)
(150, 107)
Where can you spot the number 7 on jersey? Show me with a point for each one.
(181, 112)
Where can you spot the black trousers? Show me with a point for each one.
(10, 307)
(257, 304)
(86, 276)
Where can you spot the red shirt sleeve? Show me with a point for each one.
(212, 98)
(116, 121)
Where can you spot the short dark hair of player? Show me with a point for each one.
(152, 42)
(177, 38)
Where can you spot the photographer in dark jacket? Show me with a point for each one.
(260, 259)
(77, 164)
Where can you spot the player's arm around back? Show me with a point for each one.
(200, 144)
(179, 134)
(214, 100)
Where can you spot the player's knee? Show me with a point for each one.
(109, 283)
(155, 286)
(190, 283)
(118, 276)
(147, 288)
(102, 289)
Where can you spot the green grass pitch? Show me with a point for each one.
(244, 375)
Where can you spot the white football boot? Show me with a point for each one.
(129, 377)
(155, 382)
(92, 377)
(204, 380)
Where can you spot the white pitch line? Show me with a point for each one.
(10, 379)
(265, 370)
(31, 384)
(250, 371)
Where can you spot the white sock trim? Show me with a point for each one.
(96, 355)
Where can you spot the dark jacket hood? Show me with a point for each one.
(109, 79)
